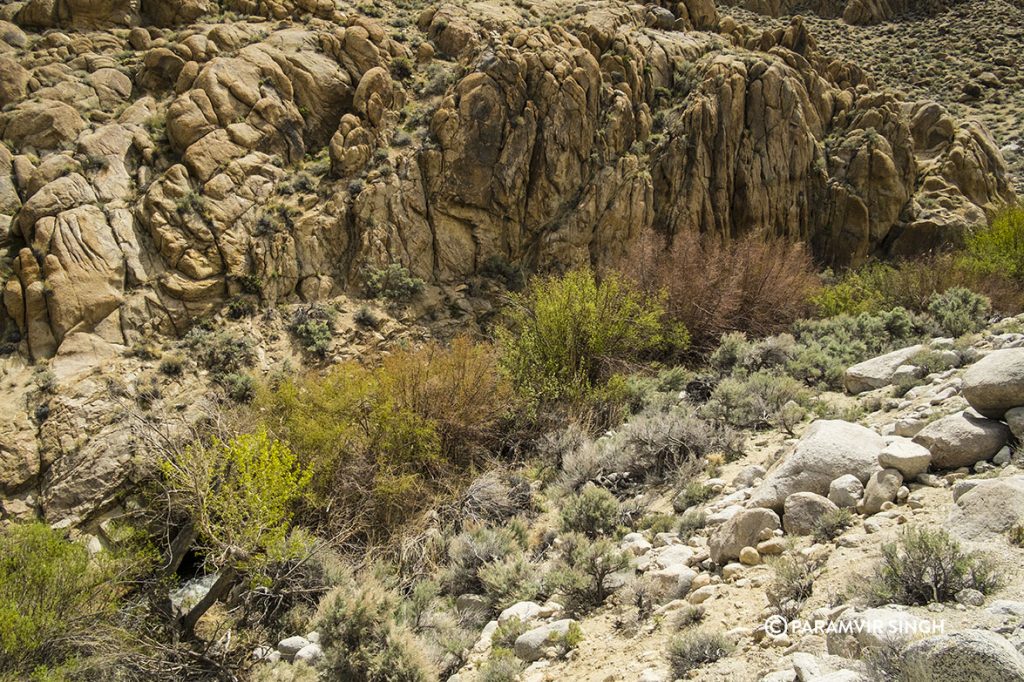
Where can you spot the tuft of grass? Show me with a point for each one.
(697, 648)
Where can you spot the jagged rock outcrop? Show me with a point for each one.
(857, 12)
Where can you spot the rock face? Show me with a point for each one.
(962, 439)
(877, 372)
(969, 655)
(828, 449)
(991, 507)
(995, 383)
(857, 12)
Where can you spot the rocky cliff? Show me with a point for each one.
(162, 158)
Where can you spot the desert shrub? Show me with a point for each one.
(658, 523)
(172, 365)
(762, 399)
(832, 524)
(825, 348)
(563, 336)
(696, 648)
(692, 494)
(222, 353)
(56, 603)
(476, 547)
(688, 616)
(392, 282)
(362, 639)
(691, 521)
(495, 496)
(755, 284)
(240, 387)
(509, 580)
(582, 576)
(925, 566)
(314, 327)
(792, 584)
(365, 317)
(999, 248)
(501, 666)
(507, 633)
(1016, 535)
(385, 441)
(282, 671)
(665, 443)
(593, 511)
(959, 311)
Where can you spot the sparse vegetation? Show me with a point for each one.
(392, 282)
(696, 648)
(593, 511)
(832, 524)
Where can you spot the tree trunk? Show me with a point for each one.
(219, 589)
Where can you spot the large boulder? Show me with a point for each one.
(995, 383)
(856, 631)
(990, 507)
(846, 491)
(531, 645)
(975, 655)
(962, 439)
(827, 450)
(803, 511)
(877, 372)
(744, 529)
(881, 488)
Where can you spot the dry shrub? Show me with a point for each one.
(755, 284)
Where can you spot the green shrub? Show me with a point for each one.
(586, 565)
(363, 640)
(507, 633)
(999, 249)
(240, 387)
(392, 282)
(694, 649)
(792, 584)
(501, 666)
(172, 365)
(593, 511)
(691, 521)
(658, 523)
(692, 494)
(476, 547)
(509, 580)
(832, 524)
(222, 353)
(562, 337)
(1016, 535)
(758, 400)
(688, 616)
(314, 327)
(959, 311)
(925, 566)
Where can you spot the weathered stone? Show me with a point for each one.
(962, 439)
(995, 383)
(803, 511)
(906, 456)
(877, 372)
(968, 655)
(742, 530)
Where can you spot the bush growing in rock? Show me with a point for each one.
(692, 494)
(926, 566)
(753, 284)
(586, 565)
(314, 327)
(563, 337)
(501, 666)
(959, 311)
(832, 524)
(693, 649)
(508, 632)
(392, 282)
(758, 400)
(476, 547)
(691, 521)
(509, 580)
(593, 511)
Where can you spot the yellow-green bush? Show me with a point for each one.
(999, 248)
(384, 442)
(563, 337)
(55, 600)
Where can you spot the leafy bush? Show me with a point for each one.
(314, 327)
(54, 600)
(999, 249)
(392, 282)
(762, 399)
(792, 584)
(925, 566)
(222, 353)
(385, 441)
(754, 284)
(507, 633)
(476, 547)
(509, 580)
(694, 649)
(692, 494)
(959, 311)
(582, 576)
(240, 496)
(363, 640)
(501, 666)
(593, 511)
(562, 337)
(832, 524)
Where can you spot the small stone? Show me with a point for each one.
(970, 597)
(749, 556)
